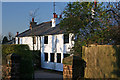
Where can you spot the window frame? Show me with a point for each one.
(58, 59)
(45, 39)
(66, 38)
(45, 56)
(52, 59)
(18, 40)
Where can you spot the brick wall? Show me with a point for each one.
(11, 71)
(74, 69)
(67, 72)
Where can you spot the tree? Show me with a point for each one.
(10, 36)
(1, 37)
(5, 40)
(86, 27)
(113, 9)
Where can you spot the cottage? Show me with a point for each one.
(50, 40)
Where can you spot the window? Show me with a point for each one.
(58, 57)
(34, 40)
(66, 38)
(52, 57)
(18, 40)
(46, 56)
(66, 55)
(46, 40)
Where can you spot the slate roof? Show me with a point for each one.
(42, 29)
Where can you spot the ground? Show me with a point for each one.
(48, 74)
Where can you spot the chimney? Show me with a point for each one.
(95, 3)
(56, 20)
(54, 15)
(32, 24)
(32, 19)
(60, 16)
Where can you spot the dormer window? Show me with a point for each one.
(46, 40)
(66, 38)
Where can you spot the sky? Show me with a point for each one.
(16, 15)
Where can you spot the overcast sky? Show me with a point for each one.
(15, 15)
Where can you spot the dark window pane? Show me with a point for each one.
(46, 56)
(66, 38)
(18, 40)
(58, 57)
(52, 57)
(46, 40)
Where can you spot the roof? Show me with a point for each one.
(42, 29)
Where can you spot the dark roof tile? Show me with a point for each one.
(42, 29)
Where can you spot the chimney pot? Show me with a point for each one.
(54, 15)
(61, 16)
(32, 19)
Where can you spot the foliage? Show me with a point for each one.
(37, 59)
(113, 9)
(90, 27)
(26, 64)
(5, 40)
(79, 21)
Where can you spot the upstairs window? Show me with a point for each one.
(46, 56)
(46, 40)
(52, 57)
(58, 57)
(66, 38)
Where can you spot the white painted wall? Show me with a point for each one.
(29, 42)
(55, 21)
(55, 45)
(55, 40)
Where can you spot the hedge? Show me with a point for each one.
(26, 64)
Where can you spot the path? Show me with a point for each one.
(47, 74)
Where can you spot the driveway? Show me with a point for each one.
(48, 74)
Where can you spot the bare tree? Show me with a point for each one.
(10, 36)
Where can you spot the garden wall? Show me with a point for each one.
(102, 61)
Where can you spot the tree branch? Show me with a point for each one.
(113, 12)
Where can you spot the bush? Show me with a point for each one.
(26, 64)
(37, 60)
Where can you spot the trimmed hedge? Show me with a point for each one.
(26, 64)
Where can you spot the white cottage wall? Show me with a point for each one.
(55, 45)
(29, 42)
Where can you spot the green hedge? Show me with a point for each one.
(26, 64)
(37, 59)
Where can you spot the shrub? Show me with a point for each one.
(26, 64)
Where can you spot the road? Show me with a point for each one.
(48, 75)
